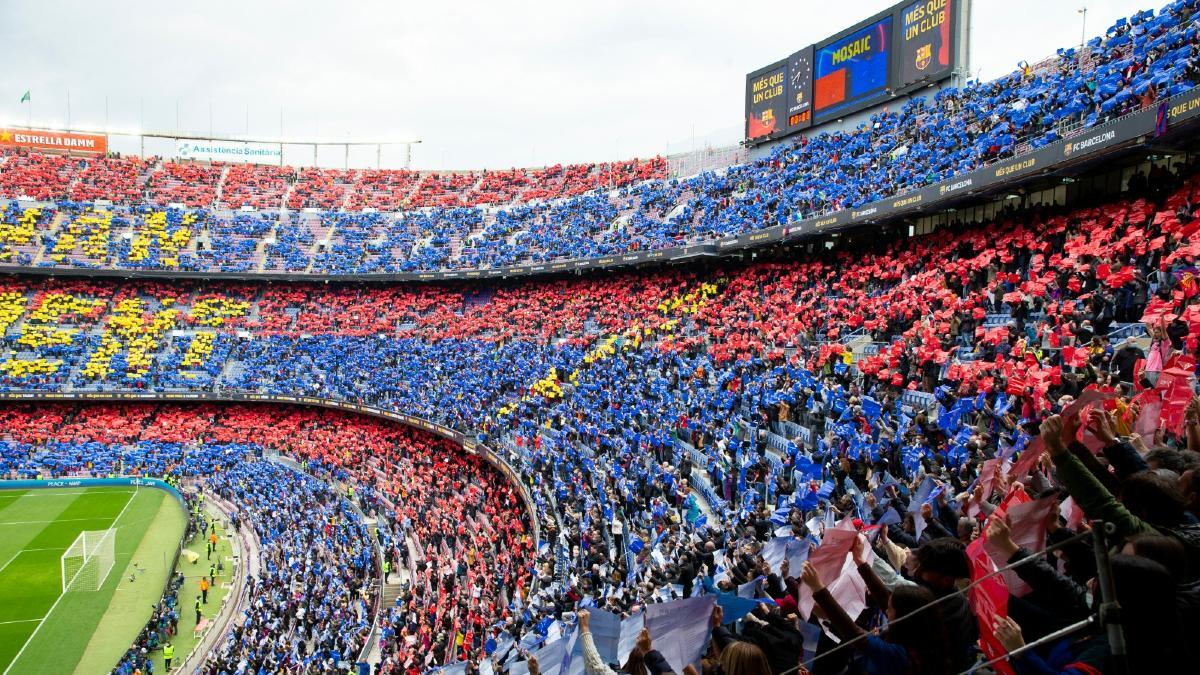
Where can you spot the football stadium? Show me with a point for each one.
(900, 376)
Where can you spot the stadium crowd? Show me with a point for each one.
(798, 454)
(455, 525)
(310, 607)
(438, 221)
(676, 427)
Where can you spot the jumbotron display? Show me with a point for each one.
(909, 45)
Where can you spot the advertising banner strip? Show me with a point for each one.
(228, 151)
(26, 484)
(54, 141)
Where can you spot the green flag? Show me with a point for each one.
(25, 97)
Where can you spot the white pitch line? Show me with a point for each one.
(46, 493)
(56, 520)
(77, 494)
(42, 621)
(5, 623)
(18, 553)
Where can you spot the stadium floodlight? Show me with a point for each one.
(88, 561)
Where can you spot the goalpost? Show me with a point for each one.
(88, 561)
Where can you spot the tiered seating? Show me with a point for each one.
(321, 188)
(159, 239)
(260, 186)
(289, 252)
(190, 184)
(686, 431)
(445, 190)
(233, 242)
(609, 209)
(382, 190)
(118, 179)
(500, 187)
(44, 177)
(1137, 64)
(21, 230)
(83, 240)
(673, 401)
(425, 492)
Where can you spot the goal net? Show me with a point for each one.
(88, 561)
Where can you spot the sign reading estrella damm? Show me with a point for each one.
(61, 141)
(765, 100)
(925, 41)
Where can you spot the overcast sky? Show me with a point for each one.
(481, 84)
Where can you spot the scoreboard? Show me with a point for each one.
(765, 100)
(799, 87)
(925, 38)
(912, 44)
(851, 72)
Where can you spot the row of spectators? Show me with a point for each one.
(598, 210)
(310, 607)
(135, 181)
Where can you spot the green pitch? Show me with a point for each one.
(43, 630)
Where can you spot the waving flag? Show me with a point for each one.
(871, 408)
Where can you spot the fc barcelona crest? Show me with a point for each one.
(924, 56)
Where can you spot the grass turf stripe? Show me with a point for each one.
(50, 533)
(62, 637)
